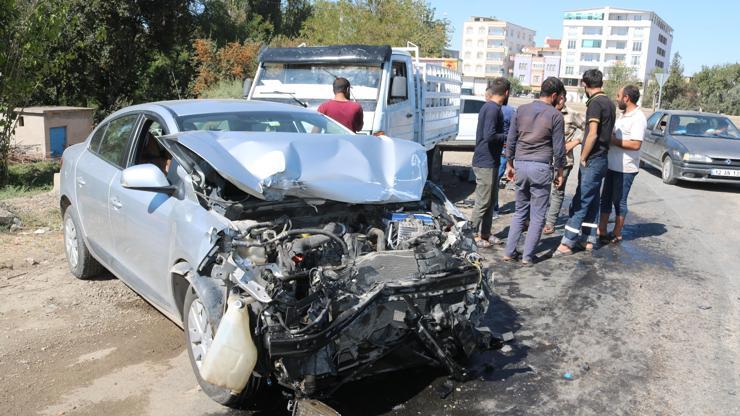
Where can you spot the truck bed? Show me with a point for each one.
(440, 95)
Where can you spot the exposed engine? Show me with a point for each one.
(340, 288)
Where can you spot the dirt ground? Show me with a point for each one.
(647, 327)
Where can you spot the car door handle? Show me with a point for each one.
(115, 203)
(81, 181)
(409, 115)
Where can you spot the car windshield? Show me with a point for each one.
(312, 83)
(263, 121)
(703, 126)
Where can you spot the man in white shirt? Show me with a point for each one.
(624, 162)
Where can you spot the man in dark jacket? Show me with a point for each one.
(489, 140)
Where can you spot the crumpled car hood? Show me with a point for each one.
(351, 168)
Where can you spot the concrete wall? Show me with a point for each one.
(30, 137)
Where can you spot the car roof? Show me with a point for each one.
(207, 106)
(689, 113)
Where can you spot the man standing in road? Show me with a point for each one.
(573, 137)
(600, 117)
(341, 109)
(624, 162)
(489, 140)
(535, 144)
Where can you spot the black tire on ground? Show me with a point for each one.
(246, 399)
(81, 262)
(667, 173)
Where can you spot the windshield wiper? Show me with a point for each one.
(301, 103)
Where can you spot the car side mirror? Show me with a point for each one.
(398, 87)
(146, 177)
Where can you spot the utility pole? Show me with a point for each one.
(661, 77)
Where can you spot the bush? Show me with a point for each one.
(32, 174)
(223, 89)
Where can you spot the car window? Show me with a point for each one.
(263, 121)
(398, 69)
(662, 124)
(703, 126)
(653, 120)
(472, 106)
(113, 145)
(97, 137)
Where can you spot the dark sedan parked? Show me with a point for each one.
(692, 146)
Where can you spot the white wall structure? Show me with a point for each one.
(488, 48)
(601, 37)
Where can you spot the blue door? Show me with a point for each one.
(57, 141)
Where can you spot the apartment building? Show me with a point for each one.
(535, 64)
(602, 37)
(488, 49)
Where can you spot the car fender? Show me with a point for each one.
(212, 292)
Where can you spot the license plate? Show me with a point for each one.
(725, 172)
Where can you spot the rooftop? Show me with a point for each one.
(49, 108)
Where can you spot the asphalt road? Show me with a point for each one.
(649, 326)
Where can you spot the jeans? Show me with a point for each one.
(533, 180)
(556, 198)
(502, 167)
(585, 205)
(617, 187)
(486, 197)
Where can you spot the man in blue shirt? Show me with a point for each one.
(489, 142)
(509, 113)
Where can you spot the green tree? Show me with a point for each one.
(618, 76)
(718, 88)
(377, 22)
(517, 87)
(24, 27)
(675, 85)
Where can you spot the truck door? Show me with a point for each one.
(400, 110)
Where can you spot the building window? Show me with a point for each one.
(571, 44)
(662, 39)
(619, 31)
(467, 54)
(495, 31)
(592, 30)
(573, 31)
(636, 17)
(522, 66)
(480, 43)
(636, 60)
(637, 32)
(659, 63)
(468, 43)
(469, 30)
(495, 43)
(568, 70)
(590, 43)
(481, 30)
(661, 51)
(493, 69)
(467, 68)
(551, 68)
(636, 46)
(570, 57)
(590, 57)
(521, 77)
(479, 68)
(536, 79)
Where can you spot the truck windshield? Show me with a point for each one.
(278, 82)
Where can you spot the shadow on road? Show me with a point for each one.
(699, 186)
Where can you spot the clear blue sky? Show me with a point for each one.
(705, 32)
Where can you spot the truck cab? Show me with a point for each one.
(400, 98)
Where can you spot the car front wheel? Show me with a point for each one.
(668, 174)
(81, 262)
(198, 338)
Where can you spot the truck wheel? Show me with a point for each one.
(81, 262)
(198, 338)
(667, 173)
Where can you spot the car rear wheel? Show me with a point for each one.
(81, 262)
(198, 338)
(667, 172)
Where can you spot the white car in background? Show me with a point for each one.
(470, 106)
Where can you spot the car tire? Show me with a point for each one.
(196, 352)
(81, 262)
(667, 172)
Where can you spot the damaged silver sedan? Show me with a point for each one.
(291, 251)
